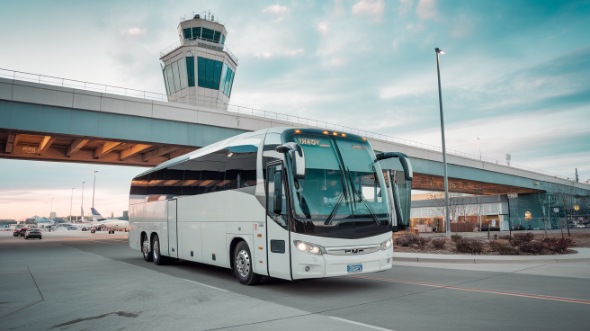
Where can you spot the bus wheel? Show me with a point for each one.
(243, 265)
(158, 258)
(146, 249)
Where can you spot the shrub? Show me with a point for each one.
(407, 240)
(558, 245)
(520, 238)
(503, 247)
(422, 242)
(456, 237)
(504, 237)
(532, 247)
(438, 243)
(469, 246)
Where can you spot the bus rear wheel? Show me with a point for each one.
(146, 250)
(157, 256)
(243, 265)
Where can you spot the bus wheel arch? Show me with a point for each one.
(146, 248)
(243, 263)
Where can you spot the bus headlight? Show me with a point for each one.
(386, 244)
(309, 248)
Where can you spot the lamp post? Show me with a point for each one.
(94, 187)
(71, 202)
(82, 204)
(438, 52)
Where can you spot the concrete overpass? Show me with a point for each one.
(54, 119)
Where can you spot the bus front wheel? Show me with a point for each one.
(243, 265)
(146, 250)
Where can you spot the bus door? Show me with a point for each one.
(277, 225)
(172, 233)
(398, 175)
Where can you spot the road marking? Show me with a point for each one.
(478, 290)
(360, 324)
(209, 286)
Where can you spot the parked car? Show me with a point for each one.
(19, 232)
(33, 233)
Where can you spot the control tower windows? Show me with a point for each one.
(227, 80)
(203, 33)
(190, 70)
(196, 33)
(209, 73)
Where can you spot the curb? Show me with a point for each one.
(484, 261)
(429, 258)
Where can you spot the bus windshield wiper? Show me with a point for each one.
(333, 213)
(369, 207)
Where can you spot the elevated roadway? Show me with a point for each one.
(53, 122)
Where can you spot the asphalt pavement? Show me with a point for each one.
(51, 285)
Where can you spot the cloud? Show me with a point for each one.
(426, 9)
(278, 11)
(133, 32)
(371, 8)
(322, 28)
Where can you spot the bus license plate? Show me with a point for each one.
(354, 267)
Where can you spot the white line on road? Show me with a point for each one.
(213, 287)
(360, 324)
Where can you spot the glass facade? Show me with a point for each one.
(203, 33)
(211, 74)
(227, 80)
(190, 70)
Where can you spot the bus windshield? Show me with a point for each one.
(343, 194)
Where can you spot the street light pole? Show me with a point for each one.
(438, 52)
(93, 187)
(82, 205)
(71, 202)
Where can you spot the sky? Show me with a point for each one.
(515, 78)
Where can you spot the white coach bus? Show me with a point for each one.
(281, 202)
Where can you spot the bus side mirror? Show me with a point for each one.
(278, 192)
(297, 156)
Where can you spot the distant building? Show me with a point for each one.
(7, 221)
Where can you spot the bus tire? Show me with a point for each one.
(146, 249)
(156, 253)
(243, 265)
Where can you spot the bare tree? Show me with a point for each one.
(546, 201)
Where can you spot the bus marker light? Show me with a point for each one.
(259, 235)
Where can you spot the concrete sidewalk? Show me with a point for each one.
(582, 255)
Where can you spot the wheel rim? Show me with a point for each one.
(145, 247)
(243, 263)
(156, 249)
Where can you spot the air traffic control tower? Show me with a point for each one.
(199, 70)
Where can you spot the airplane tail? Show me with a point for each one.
(96, 216)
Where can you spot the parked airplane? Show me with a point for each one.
(112, 225)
